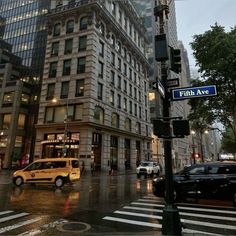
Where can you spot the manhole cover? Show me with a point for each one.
(74, 227)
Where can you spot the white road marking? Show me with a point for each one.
(13, 217)
(43, 228)
(184, 213)
(154, 225)
(195, 222)
(20, 224)
(5, 212)
(184, 208)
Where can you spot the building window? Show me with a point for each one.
(55, 49)
(119, 46)
(130, 73)
(99, 115)
(125, 104)
(113, 41)
(125, 69)
(70, 26)
(6, 121)
(81, 65)
(83, 23)
(119, 64)
(21, 121)
(64, 89)
(115, 120)
(101, 48)
(100, 69)
(8, 97)
(125, 24)
(125, 86)
(118, 101)
(66, 67)
(50, 91)
(113, 58)
(138, 128)
(53, 69)
(68, 46)
(130, 107)
(82, 43)
(79, 88)
(140, 112)
(127, 124)
(112, 77)
(113, 8)
(120, 17)
(57, 29)
(112, 97)
(49, 115)
(25, 98)
(79, 112)
(102, 29)
(125, 53)
(130, 90)
(100, 91)
(135, 110)
(119, 81)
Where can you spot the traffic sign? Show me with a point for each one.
(173, 82)
(194, 92)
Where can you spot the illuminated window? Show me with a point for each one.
(6, 121)
(127, 124)
(99, 115)
(8, 97)
(79, 88)
(21, 121)
(115, 120)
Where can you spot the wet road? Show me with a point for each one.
(86, 201)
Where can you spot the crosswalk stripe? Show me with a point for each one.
(13, 217)
(154, 225)
(20, 224)
(195, 222)
(43, 228)
(187, 208)
(5, 212)
(184, 213)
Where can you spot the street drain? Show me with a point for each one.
(77, 227)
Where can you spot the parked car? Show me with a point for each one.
(51, 170)
(207, 180)
(148, 168)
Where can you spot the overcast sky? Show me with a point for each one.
(196, 17)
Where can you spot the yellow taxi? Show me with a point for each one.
(49, 170)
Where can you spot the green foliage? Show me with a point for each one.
(215, 54)
(228, 142)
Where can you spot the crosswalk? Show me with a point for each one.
(196, 219)
(23, 223)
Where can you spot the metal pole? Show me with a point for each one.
(65, 129)
(171, 224)
(193, 148)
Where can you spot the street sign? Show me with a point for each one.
(173, 82)
(157, 85)
(194, 92)
(154, 85)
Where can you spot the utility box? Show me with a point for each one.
(161, 48)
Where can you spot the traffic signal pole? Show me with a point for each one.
(171, 224)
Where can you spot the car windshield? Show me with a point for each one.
(146, 164)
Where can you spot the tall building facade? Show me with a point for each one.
(180, 149)
(94, 99)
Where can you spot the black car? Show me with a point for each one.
(206, 180)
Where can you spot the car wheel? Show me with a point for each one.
(18, 181)
(59, 182)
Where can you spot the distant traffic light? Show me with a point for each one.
(175, 60)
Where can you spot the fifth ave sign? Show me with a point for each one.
(194, 92)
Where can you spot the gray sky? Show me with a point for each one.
(196, 17)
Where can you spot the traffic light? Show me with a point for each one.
(181, 127)
(161, 49)
(175, 60)
(160, 128)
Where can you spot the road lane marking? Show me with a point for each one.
(43, 228)
(20, 224)
(5, 212)
(184, 213)
(195, 222)
(187, 208)
(154, 225)
(13, 217)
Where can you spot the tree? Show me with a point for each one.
(228, 142)
(215, 54)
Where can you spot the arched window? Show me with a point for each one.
(99, 115)
(115, 120)
(70, 26)
(127, 124)
(57, 29)
(83, 23)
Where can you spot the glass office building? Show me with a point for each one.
(26, 31)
